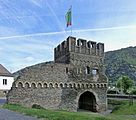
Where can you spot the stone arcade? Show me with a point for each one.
(74, 81)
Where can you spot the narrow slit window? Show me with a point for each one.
(87, 70)
(66, 70)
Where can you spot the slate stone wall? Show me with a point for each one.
(65, 98)
(59, 84)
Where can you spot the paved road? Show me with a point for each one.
(10, 115)
(2, 100)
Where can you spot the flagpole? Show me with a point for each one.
(71, 20)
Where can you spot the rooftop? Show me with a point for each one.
(4, 71)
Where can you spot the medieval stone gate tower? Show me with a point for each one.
(75, 80)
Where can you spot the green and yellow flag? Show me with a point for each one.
(69, 18)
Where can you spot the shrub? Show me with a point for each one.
(133, 92)
(36, 106)
(112, 92)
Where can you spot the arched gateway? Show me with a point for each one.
(87, 101)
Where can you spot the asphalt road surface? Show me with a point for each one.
(2, 100)
(10, 115)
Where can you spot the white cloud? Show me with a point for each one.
(30, 35)
(7, 31)
(37, 2)
(64, 32)
(29, 59)
(132, 43)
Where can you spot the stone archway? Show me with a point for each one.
(87, 101)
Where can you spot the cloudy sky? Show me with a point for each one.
(30, 29)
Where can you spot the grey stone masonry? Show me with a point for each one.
(76, 71)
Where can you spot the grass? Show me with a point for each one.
(122, 111)
(124, 108)
(121, 117)
(114, 104)
(54, 114)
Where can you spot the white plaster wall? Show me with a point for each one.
(10, 80)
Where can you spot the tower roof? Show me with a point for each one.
(4, 71)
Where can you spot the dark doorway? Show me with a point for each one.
(87, 101)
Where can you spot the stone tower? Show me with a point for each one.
(85, 57)
(74, 81)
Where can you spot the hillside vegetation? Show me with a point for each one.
(121, 62)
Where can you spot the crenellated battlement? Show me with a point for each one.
(81, 46)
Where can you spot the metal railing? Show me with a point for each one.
(121, 96)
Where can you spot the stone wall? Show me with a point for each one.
(63, 96)
(45, 72)
(46, 97)
(59, 84)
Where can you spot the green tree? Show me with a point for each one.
(124, 83)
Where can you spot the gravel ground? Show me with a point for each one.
(107, 112)
(9, 115)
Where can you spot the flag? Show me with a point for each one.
(68, 18)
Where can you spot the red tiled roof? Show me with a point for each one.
(4, 71)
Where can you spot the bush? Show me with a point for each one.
(36, 106)
(115, 108)
(133, 92)
(112, 92)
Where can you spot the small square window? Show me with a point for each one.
(95, 71)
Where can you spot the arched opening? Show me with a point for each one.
(45, 85)
(70, 85)
(87, 101)
(50, 85)
(65, 85)
(78, 85)
(33, 85)
(27, 85)
(39, 85)
(56, 85)
(20, 85)
(61, 85)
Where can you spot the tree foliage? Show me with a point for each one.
(125, 83)
(133, 92)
